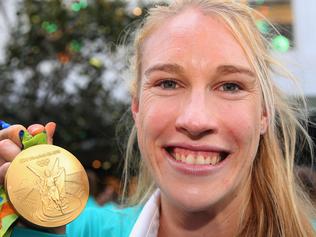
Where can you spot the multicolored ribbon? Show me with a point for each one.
(7, 213)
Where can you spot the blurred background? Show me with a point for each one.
(66, 61)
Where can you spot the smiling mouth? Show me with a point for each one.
(196, 157)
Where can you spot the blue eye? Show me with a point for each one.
(168, 84)
(231, 87)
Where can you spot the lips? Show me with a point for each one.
(194, 156)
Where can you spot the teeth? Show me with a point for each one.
(207, 160)
(198, 159)
(213, 160)
(189, 159)
(218, 159)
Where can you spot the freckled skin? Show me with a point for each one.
(198, 110)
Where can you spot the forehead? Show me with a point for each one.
(195, 36)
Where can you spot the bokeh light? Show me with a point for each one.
(75, 46)
(281, 43)
(35, 19)
(50, 27)
(77, 6)
(63, 58)
(263, 26)
(96, 164)
(260, 2)
(95, 62)
(137, 11)
(106, 165)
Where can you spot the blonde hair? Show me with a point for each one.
(277, 203)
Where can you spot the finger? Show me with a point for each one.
(50, 130)
(3, 171)
(38, 128)
(12, 133)
(35, 129)
(8, 150)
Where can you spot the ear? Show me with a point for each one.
(264, 122)
(135, 108)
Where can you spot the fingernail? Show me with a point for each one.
(35, 128)
(21, 134)
(4, 125)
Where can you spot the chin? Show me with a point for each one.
(191, 200)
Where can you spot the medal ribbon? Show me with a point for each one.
(7, 213)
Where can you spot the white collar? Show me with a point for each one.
(147, 223)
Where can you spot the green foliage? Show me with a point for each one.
(57, 68)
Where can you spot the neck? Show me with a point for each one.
(221, 221)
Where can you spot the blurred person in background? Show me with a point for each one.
(93, 188)
(108, 195)
(307, 176)
(102, 193)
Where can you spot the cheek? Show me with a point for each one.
(243, 123)
(155, 122)
(155, 118)
(156, 114)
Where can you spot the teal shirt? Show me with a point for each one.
(108, 221)
(93, 222)
(91, 202)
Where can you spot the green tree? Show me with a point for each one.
(62, 65)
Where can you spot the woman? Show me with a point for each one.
(216, 136)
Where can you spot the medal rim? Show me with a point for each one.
(68, 154)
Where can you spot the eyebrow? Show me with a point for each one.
(220, 70)
(231, 69)
(168, 67)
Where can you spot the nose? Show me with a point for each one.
(197, 117)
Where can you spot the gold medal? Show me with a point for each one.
(47, 185)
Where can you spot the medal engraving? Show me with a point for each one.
(47, 185)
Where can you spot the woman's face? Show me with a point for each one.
(199, 113)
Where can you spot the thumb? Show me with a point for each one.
(50, 130)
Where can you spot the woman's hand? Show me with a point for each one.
(10, 143)
(11, 146)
